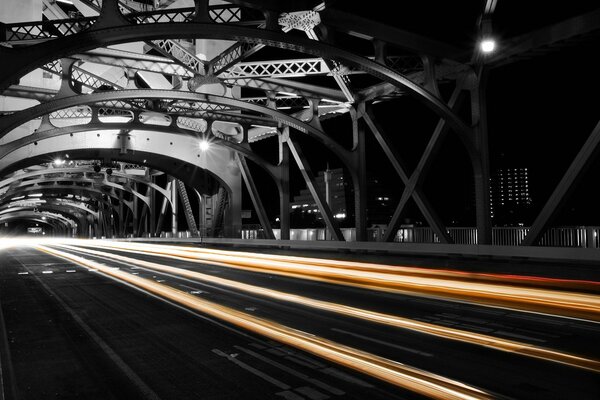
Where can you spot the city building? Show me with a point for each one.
(510, 200)
(334, 189)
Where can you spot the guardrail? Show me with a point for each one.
(579, 236)
(574, 237)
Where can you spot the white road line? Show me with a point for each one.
(47, 272)
(519, 336)
(288, 395)
(393, 345)
(193, 290)
(336, 373)
(70, 270)
(311, 393)
(251, 369)
(144, 389)
(22, 273)
(292, 371)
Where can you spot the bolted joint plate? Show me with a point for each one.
(301, 20)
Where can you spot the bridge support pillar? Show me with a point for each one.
(482, 174)
(174, 206)
(284, 190)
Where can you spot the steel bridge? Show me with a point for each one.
(120, 116)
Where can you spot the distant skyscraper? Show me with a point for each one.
(509, 195)
(305, 203)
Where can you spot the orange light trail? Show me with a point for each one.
(489, 341)
(416, 380)
(386, 278)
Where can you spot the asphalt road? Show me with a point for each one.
(72, 332)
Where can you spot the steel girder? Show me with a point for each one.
(91, 192)
(9, 122)
(122, 32)
(37, 217)
(51, 205)
(58, 226)
(39, 183)
(69, 131)
(185, 156)
(80, 170)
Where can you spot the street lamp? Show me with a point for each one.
(204, 145)
(487, 45)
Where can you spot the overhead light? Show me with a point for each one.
(487, 45)
(204, 145)
(58, 161)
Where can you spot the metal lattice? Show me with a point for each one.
(179, 52)
(92, 81)
(195, 124)
(279, 68)
(235, 53)
(405, 64)
(182, 107)
(72, 112)
(47, 29)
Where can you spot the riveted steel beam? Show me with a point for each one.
(126, 33)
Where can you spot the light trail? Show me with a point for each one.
(559, 283)
(553, 302)
(416, 380)
(489, 341)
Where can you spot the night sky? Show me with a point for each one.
(541, 111)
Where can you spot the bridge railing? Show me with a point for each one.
(577, 236)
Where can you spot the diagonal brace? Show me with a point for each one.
(254, 196)
(314, 191)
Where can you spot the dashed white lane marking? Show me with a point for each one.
(251, 369)
(193, 290)
(393, 345)
(345, 377)
(519, 336)
(292, 371)
(288, 395)
(22, 273)
(47, 272)
(70, 270)
(250, 308)
(311, 393)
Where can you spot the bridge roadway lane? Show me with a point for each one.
(135, 327)
(79, 335)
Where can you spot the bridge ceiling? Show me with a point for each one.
(145, 84)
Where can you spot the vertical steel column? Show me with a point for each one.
(163, 210)
(283, 187)
(152, 214)
(136, 205)
(359, 177)
(174, 206)
(121, 215)
(481, 174)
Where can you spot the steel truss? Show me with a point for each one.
(288, 108)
